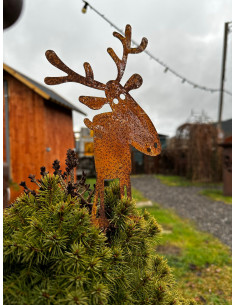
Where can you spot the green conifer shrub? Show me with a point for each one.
(53, 254)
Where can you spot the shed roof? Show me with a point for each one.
(41, 90)
(226, 127)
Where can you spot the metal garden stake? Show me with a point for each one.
(127, 123)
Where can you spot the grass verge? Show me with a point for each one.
(216, 195)
(201, 264)
(211, 192)
(182, 181)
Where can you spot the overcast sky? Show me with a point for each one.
(187, 35)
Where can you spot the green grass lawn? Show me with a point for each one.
(201, 263)
(210, 192)
(216, 195)
(182, 181)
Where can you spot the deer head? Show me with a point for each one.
(141, 132)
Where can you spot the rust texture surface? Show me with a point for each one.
(114, 132)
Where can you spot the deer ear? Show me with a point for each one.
(93, 102)
(134, 82)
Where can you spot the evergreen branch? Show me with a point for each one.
(62, 183)
(91, 194)
(32, 179)
(53, 253)
(84, 200)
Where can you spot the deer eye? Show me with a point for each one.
(115, 101)
(122, 96)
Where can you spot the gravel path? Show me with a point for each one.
(210, 216)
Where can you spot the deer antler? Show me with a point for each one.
(71, 75)
(126, 41)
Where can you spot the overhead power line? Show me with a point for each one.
(166, 67)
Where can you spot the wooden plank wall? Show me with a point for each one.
(35, 124)
(59, 134)
(4, 131)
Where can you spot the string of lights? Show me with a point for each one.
(166, 67)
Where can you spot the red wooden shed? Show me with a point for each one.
(37, 127)
(227, 166)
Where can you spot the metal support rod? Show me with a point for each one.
(223, 74)
(7, 130)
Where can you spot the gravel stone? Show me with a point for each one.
(214, 217)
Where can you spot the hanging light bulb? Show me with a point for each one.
(84, 9)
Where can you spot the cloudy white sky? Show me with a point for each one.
(187, 35)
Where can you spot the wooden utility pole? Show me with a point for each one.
(223, 73)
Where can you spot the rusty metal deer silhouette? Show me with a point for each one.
(114, 132)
